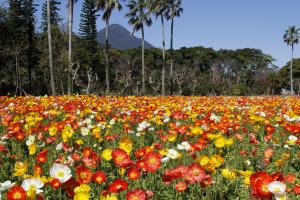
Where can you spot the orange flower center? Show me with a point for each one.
(265, 188)
(152, 161)
(99, 179)
(119, 187)
(17, 195)
(195, 172)
(83, 175)
(134, 198)
(120, 158)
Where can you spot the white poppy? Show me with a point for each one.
(59, 147)
(173, 154)
(84, 131)
(6, 185)
(31, 140)
(112, 122)
(293, 138)
(60, 172)
(282, 197)
(165, 159)
(277, 188)
(33, 183)
(184, 146)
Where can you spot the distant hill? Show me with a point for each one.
(119, 38)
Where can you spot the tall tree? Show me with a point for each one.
(291, 37)
(88, 32)
(87, 26)
(139, 15)
(107, 6)
(31, 52)
(174, 9)
(70, 28)
(158, 8)
(54, 15)
(53, 90)
(18, 39)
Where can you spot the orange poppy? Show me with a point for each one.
(117, 186)
(120, 158)
(42, 156)
(99, 177)
(152, 161)
(133, 173)
(136, 194)
(84, 175)
(16, 193)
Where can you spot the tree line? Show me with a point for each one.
(56, 61)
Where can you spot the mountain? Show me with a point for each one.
(119, 38)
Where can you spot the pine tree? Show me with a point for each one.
(31, 52)
(54, 15)
(88, 31)
(87, 27)
(18, 41)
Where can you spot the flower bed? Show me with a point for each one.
(89, 147)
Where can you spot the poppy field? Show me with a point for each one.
(136, 148)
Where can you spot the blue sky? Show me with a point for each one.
(226, 24)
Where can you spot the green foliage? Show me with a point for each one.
(197, 70)
(54, 14)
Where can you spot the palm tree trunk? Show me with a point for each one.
(171, 49)
(143, 63)
(107, 58)
(70, 46)
(50, 50)
(163, 88)
(291, 72)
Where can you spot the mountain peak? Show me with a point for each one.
(120, 38)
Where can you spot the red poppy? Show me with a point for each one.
(87, 151)
(152, 161)
(195, 173)
(16, 193)
(84, 175)
(55, 183)
(140, 153)
(120, 158)
(3, 149)
(136, 194)
(270, 129)
(50, 140)
(290, 178)
(133, 173)
(75, 156)
(99, 177)
(207, 180)
(19, 135)
(38, 169)
(141, 165)
(296, 189)
(69, 187)
(42, 156)
(180, 186)
(176, 173)
(117, 186)
(259, 182)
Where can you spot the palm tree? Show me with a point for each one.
(174, 9)
(70, 27)
(52, 81)
(291, 37)
(139, 16)
(107, 6)
(158, 7)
